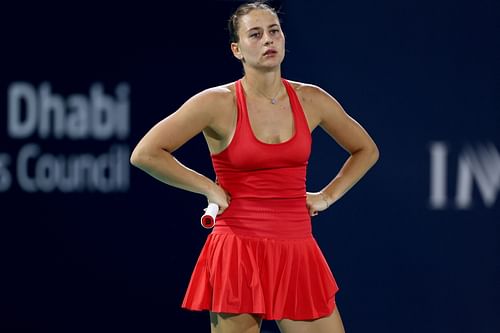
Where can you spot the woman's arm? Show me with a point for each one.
(351, 136)
(153, 153)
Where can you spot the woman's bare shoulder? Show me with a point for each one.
(306, 91)
(217, 95)
(211, 102)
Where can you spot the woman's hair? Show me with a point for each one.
(234, 21)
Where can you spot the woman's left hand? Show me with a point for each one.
(316, 202)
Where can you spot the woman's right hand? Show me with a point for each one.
(220, 197)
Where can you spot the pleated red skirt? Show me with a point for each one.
(273, 277)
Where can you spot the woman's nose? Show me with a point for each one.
(268, 39)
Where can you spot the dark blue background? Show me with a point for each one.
(411, 72)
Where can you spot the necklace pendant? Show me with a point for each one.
(273, 100)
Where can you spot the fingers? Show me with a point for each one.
(312, 210)
(228, 202)
(316, 203)
(222, 208)
(219, 196)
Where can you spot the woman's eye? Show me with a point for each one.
(255, 35)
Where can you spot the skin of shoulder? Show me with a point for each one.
(220, 103)
(324, 110)
(207, 111)
(314, 101)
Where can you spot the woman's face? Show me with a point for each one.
(262, 43)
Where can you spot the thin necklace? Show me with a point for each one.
(272, 99)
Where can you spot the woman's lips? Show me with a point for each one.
(270, 52)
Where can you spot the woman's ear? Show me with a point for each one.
(235, 48)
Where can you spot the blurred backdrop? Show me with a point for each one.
(90, 244)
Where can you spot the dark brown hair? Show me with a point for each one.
(234, 21)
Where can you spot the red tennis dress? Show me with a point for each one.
(261, 257)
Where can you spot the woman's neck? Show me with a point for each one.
(265, 83)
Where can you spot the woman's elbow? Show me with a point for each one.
(374, 153)
(135, 158)
(140, 157)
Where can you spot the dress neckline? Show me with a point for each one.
(247, 117)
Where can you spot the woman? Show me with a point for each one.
(261, 260)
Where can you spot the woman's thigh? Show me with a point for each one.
(234, 323)
(329, 324)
